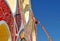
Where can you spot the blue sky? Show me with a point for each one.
(48, 12)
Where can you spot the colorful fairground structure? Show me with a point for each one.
(17, 22)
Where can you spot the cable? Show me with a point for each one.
(42, 27)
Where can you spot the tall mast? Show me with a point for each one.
(27, 18)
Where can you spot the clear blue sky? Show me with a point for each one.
(48, 12)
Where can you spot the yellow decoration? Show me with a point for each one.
(25, 2)
(4, 34)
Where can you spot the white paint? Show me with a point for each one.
(3, 22)
(12, 4)
(26, 16)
